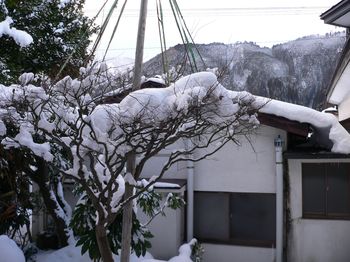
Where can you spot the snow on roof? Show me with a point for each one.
(22, 38)
(319, 120)
(155, 104)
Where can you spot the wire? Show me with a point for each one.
(238, 11)
(259, 42)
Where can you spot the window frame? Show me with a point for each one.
(325, 215)
(236, 241)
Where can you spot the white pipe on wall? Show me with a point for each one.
(279, 199)
(190, 189)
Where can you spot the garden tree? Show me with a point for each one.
(99, 137)
(59, 29)
(21, 168)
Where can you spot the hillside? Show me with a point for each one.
(298, 71)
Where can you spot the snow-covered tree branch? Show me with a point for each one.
(98, 137)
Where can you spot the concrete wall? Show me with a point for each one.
(314, 240)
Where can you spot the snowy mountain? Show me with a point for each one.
(298, 71)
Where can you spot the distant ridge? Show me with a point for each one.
(298, 71)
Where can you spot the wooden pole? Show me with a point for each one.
(127, 211)
(140, 46)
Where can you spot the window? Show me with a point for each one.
(326, 190)
(235, 218)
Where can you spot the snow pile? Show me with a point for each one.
(184, 252)
(9, 251)
(22, 38)
(338, 135)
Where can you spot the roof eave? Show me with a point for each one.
(335, 12)
(342, 63)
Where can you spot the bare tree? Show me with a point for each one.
(99, 137)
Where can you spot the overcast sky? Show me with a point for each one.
(266, 22)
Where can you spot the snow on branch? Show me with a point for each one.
(98, 136)
(21, 37)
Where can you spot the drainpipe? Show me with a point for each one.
(190, 189)
(279, 198)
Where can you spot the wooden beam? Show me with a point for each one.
(291, 126)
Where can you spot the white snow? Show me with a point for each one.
(184, 252)
(63, 3)
(166, 185)
(73, 254)
(26, 78)
(9, 251)
(156, 80)
(25, 138)
(338, 135)
(22, 38)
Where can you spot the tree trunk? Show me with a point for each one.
(103, 244)
(127, 213)
(41, 178)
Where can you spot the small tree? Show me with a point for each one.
(196, 109)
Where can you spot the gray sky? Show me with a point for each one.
(266, 22)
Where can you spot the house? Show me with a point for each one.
(251, 203)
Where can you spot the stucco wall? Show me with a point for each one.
(314, 240)
(246, 168)
(155, 164)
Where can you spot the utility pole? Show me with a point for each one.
(127, 211)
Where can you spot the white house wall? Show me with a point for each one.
(155, 164)
(344, 109)
(246, 168)
(318, 240)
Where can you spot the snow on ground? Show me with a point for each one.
(9, 251)
(72, 254)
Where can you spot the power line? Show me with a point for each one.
(238, 11)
